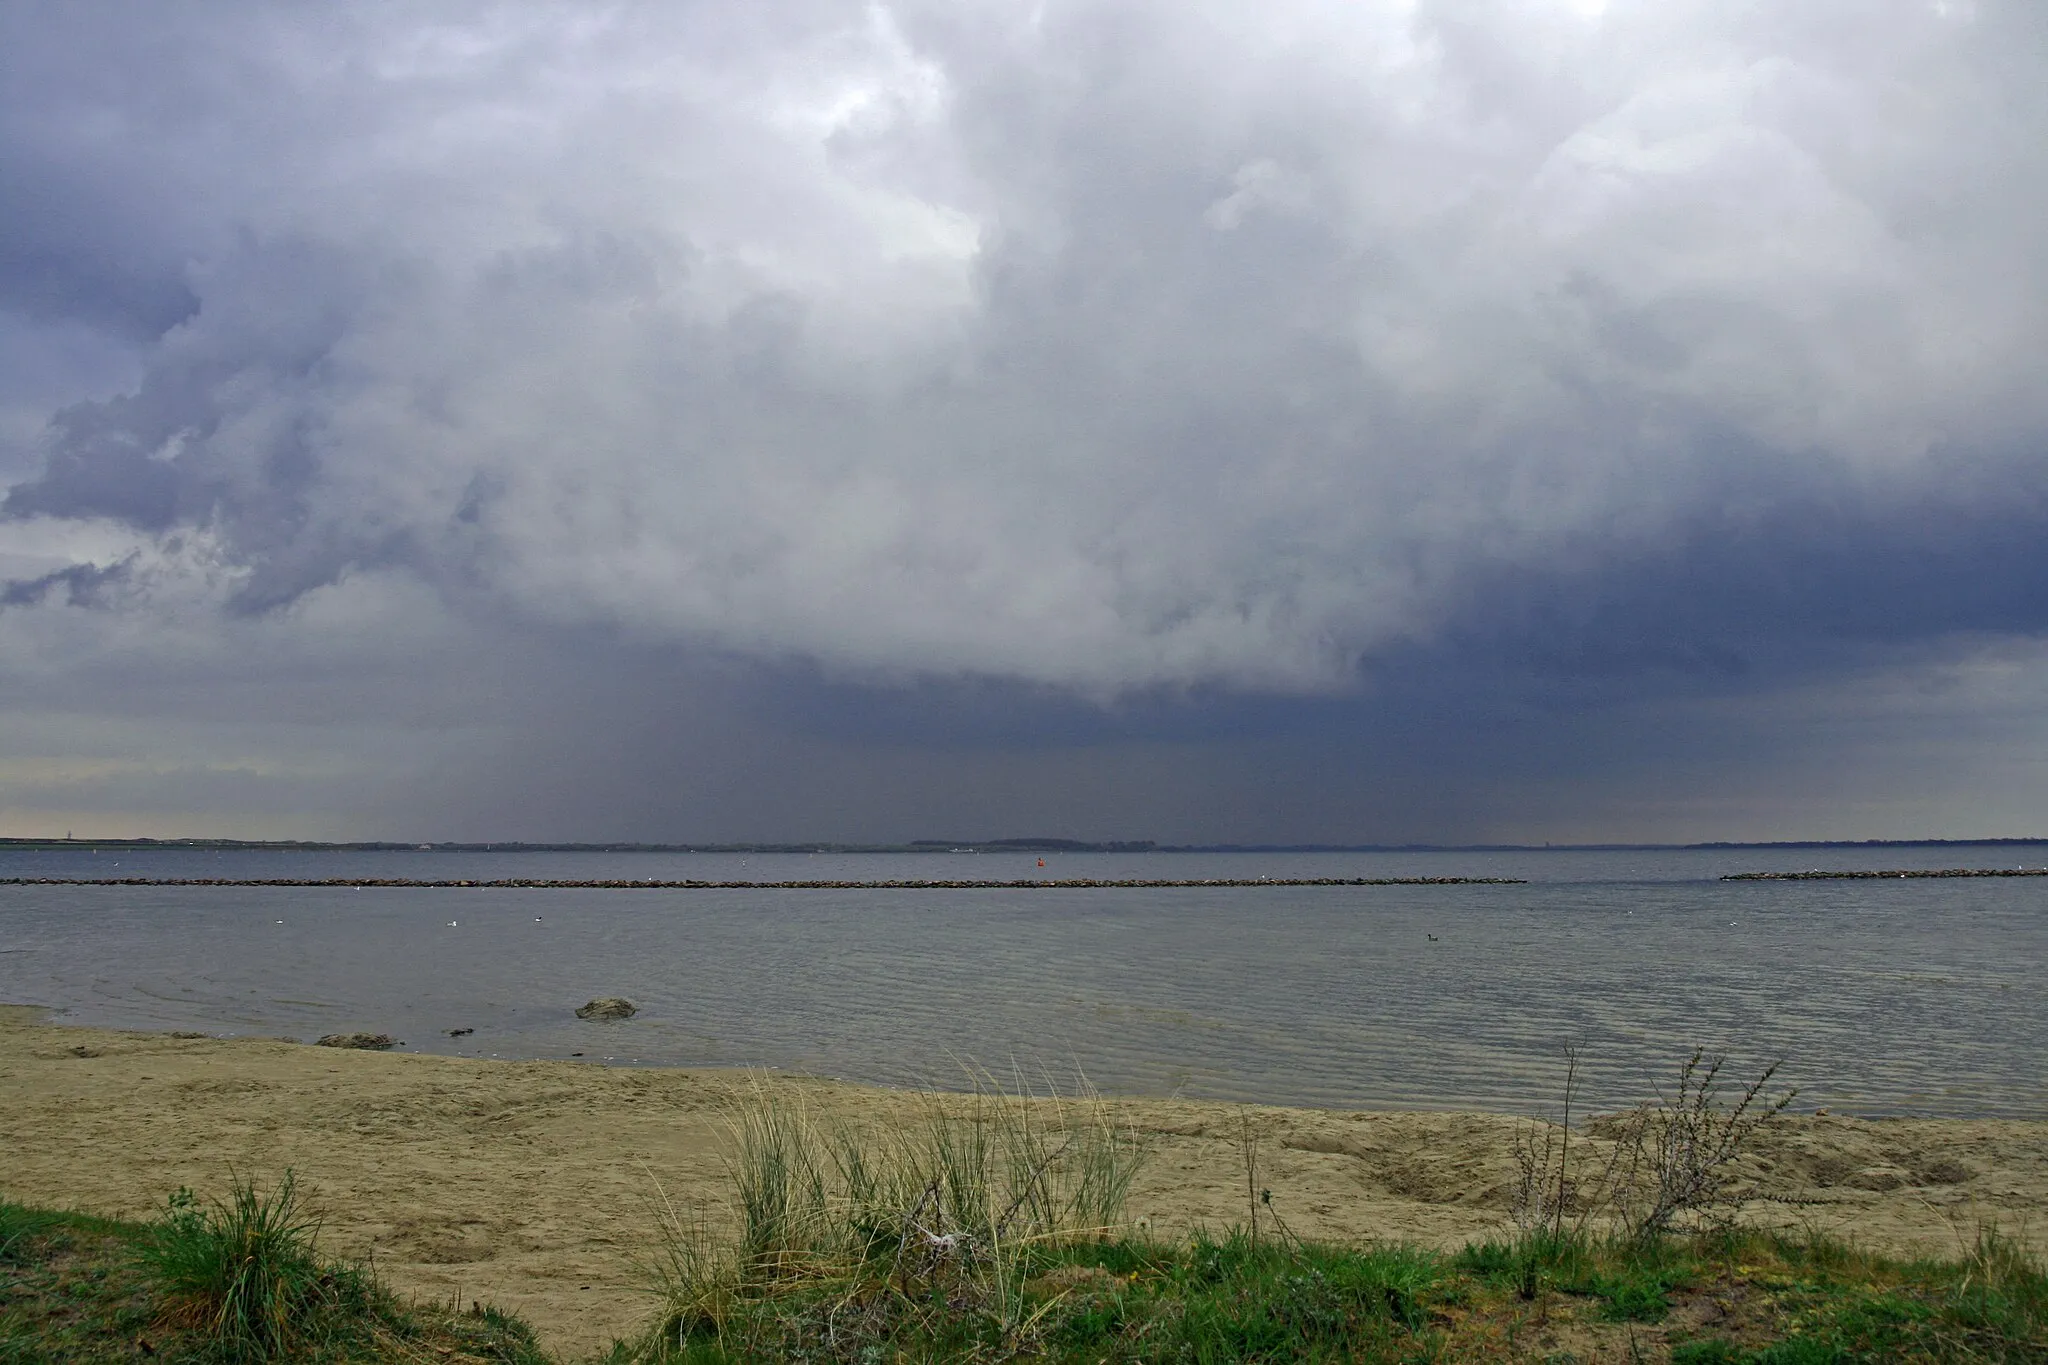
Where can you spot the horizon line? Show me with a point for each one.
(1007, 845)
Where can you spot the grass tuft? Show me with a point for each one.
(243, 1273)
(852, 1228)
(76, 1287)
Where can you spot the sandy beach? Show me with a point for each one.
(532, 1184)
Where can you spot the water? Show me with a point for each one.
(1909, 997)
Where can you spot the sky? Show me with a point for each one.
(1369, 422)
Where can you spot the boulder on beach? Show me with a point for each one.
(608, 1007)
(375, 1042)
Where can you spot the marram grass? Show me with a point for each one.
(960, 1196)
(242, 1272)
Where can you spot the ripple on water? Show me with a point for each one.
(1903, 997)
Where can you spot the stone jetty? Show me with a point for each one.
(1818, 875)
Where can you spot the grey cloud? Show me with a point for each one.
(1112, 374)
(225, 429)
(84, 585)
(1171, 423)
(48, 283)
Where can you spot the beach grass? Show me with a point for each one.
(953, 1201)
(243, 1272)
(993, 1229)
(225, 1283)
(78, 1288)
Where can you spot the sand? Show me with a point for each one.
(531, 1184)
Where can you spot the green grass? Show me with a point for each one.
(1631, 1279)
(1214, 1300)
(1734, 1297)
(223, 1284)
(842, 1279)
(76, 1288)
(1835, 1304)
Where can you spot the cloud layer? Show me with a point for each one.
(1113, 354)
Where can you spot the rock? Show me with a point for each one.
(188, 1034)
(375, 1042)
(608, 1007)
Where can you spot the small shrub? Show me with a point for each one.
(1545, 1191)
(1674, 1167)
(1671, 1168)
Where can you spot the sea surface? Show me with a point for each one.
(1882, 998)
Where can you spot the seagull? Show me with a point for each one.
(451, 924)
(280, 921)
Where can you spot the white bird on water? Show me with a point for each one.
(451, 924)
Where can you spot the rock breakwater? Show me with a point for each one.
(1908, 873)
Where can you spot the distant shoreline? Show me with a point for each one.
(943, 846)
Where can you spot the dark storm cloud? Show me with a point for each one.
(1072, 374)
(1782, 574)
(47, 281)
(84, 585)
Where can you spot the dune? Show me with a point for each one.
(533, 1185)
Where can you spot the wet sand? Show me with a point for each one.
(531, 1184)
